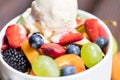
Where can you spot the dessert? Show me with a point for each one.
(55, 15)
(54, 40)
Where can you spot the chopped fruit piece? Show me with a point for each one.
(36, 40)
(16, 59)
(81, 28)
(82, 42)
(85, 35)
(68, 70)
(30, 52)
(53, 50)
(4, 46)
(73, 49)
(16, 34)
(45, 66)
(103, 32)
(92, 28)
(31, 73)
(79, 22)
(70, 37)
(71, 59)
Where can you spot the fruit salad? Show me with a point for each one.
(47, 53)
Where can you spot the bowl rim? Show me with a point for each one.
(87, 14)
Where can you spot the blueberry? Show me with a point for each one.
(72, 48)
(68, 70)
(102, 42)
(35, 40)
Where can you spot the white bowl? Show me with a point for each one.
(101, 71)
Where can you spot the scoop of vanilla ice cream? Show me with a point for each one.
(55, 15)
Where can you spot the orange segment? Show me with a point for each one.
(71, 59)
(30, 52)
(85, 35)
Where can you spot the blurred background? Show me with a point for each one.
(104, 9)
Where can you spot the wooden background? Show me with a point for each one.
(104, 9)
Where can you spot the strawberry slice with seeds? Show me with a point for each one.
(92, 28)
(52, 49)
(15, 34)
(70, 37)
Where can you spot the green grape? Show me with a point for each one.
(91, 54)
(45, 66)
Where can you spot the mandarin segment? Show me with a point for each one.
(71, 59)
(30, 52)
(32, 73)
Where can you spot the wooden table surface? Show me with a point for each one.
(104, 9)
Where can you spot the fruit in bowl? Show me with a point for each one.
(69, 50)
(54, 52)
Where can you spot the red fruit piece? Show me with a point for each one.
(4, 46)
(15, 34)
(103, 33)
(79, 22)
(70, 37)
(92, 28)
(53, 50)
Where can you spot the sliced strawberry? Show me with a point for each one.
(79, 22)
(92, 28)
(52, 49)
(4, 46)
(15, 34)
(103, 33)
(70, 37)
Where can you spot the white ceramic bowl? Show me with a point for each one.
(101, 71)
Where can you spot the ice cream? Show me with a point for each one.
(55, 15)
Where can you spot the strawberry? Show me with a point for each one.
(92, 28)
(70, 37)
(4, 46)
(52, 49)
(15, 34)
(79, 22)
(103, 33)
